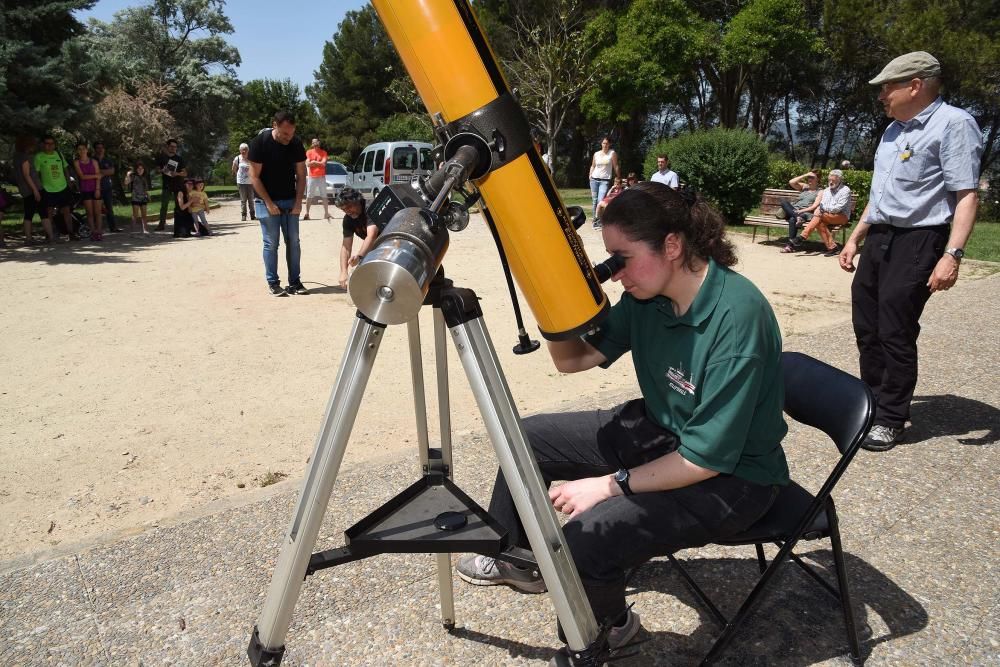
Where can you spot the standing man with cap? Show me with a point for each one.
(278, 173)
(920, 213)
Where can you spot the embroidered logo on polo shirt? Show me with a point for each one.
(678, 382)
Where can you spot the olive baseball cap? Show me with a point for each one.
(915, 65)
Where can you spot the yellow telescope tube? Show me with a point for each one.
(455, 73)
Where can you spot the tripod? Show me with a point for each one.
(433, 515)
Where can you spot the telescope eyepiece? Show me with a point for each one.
(609, 267)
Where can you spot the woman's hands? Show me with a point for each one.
(580, 495)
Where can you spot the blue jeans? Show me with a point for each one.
(271, 226)
(598, 190)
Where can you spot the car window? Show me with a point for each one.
(359, 165)
(379, 160)
(404, 157)
(426, 159)
(335, 169)
(369, 159)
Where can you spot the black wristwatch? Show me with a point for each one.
(622, 478)
(957, 253)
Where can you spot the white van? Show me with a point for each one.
(389, 162)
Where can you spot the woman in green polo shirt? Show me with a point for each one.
(699, 456)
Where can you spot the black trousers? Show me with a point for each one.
(625, 531)
(888, 294)
(166, 196)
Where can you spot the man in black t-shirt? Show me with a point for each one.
(174, 171)
(356, 223)
(278, 174)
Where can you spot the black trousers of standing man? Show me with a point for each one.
(889, 293)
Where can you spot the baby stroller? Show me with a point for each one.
(78, 219)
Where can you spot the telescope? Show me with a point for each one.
(489, 160)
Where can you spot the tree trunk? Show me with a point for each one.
(832, 129)
(788, 129)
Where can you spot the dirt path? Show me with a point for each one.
(147, 377)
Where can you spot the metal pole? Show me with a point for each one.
(520, 470)
(419, 397)
(445, 586)
(341, 410)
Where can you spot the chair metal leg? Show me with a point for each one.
(845, 594)
(761, 559)
(816, 576)
(700, 594)
(729, 632)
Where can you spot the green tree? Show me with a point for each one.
(863, 35)
(180, 44)
(351, 91)
(43, 71)
(728, 167)
(551, 66)
(258, 101)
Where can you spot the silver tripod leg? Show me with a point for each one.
(423, 441)
(345, 400)
(520, 470)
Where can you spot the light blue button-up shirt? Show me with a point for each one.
(921, 163)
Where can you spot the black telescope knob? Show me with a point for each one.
(577, 216)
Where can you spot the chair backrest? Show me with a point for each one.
(824, 397)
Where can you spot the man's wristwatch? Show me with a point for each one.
(957, 253)
(622, 478)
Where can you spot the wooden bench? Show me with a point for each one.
(770, 203)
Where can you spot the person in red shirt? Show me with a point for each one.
(316, 182)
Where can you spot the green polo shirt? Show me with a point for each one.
(712, 376)
(51, 167)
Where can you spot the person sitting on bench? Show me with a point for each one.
(831, 209)
(798, 213)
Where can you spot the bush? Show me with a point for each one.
(860, 183)
(779, 172)
(728, 167)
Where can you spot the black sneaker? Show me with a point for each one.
(275, 289)
(296, 288)
(832, 252)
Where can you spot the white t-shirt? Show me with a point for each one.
(602, 165)
(242, 170)
(667, 177)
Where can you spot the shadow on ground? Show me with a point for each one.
(950, 415)
(795, 623)
(115, 249)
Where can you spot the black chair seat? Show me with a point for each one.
(811, 387)
(782, 519)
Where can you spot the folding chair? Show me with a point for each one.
(811, 388)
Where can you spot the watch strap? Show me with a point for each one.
(622, 477)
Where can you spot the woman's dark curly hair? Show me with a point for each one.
(648, 211)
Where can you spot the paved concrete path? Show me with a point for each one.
(920, 526)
